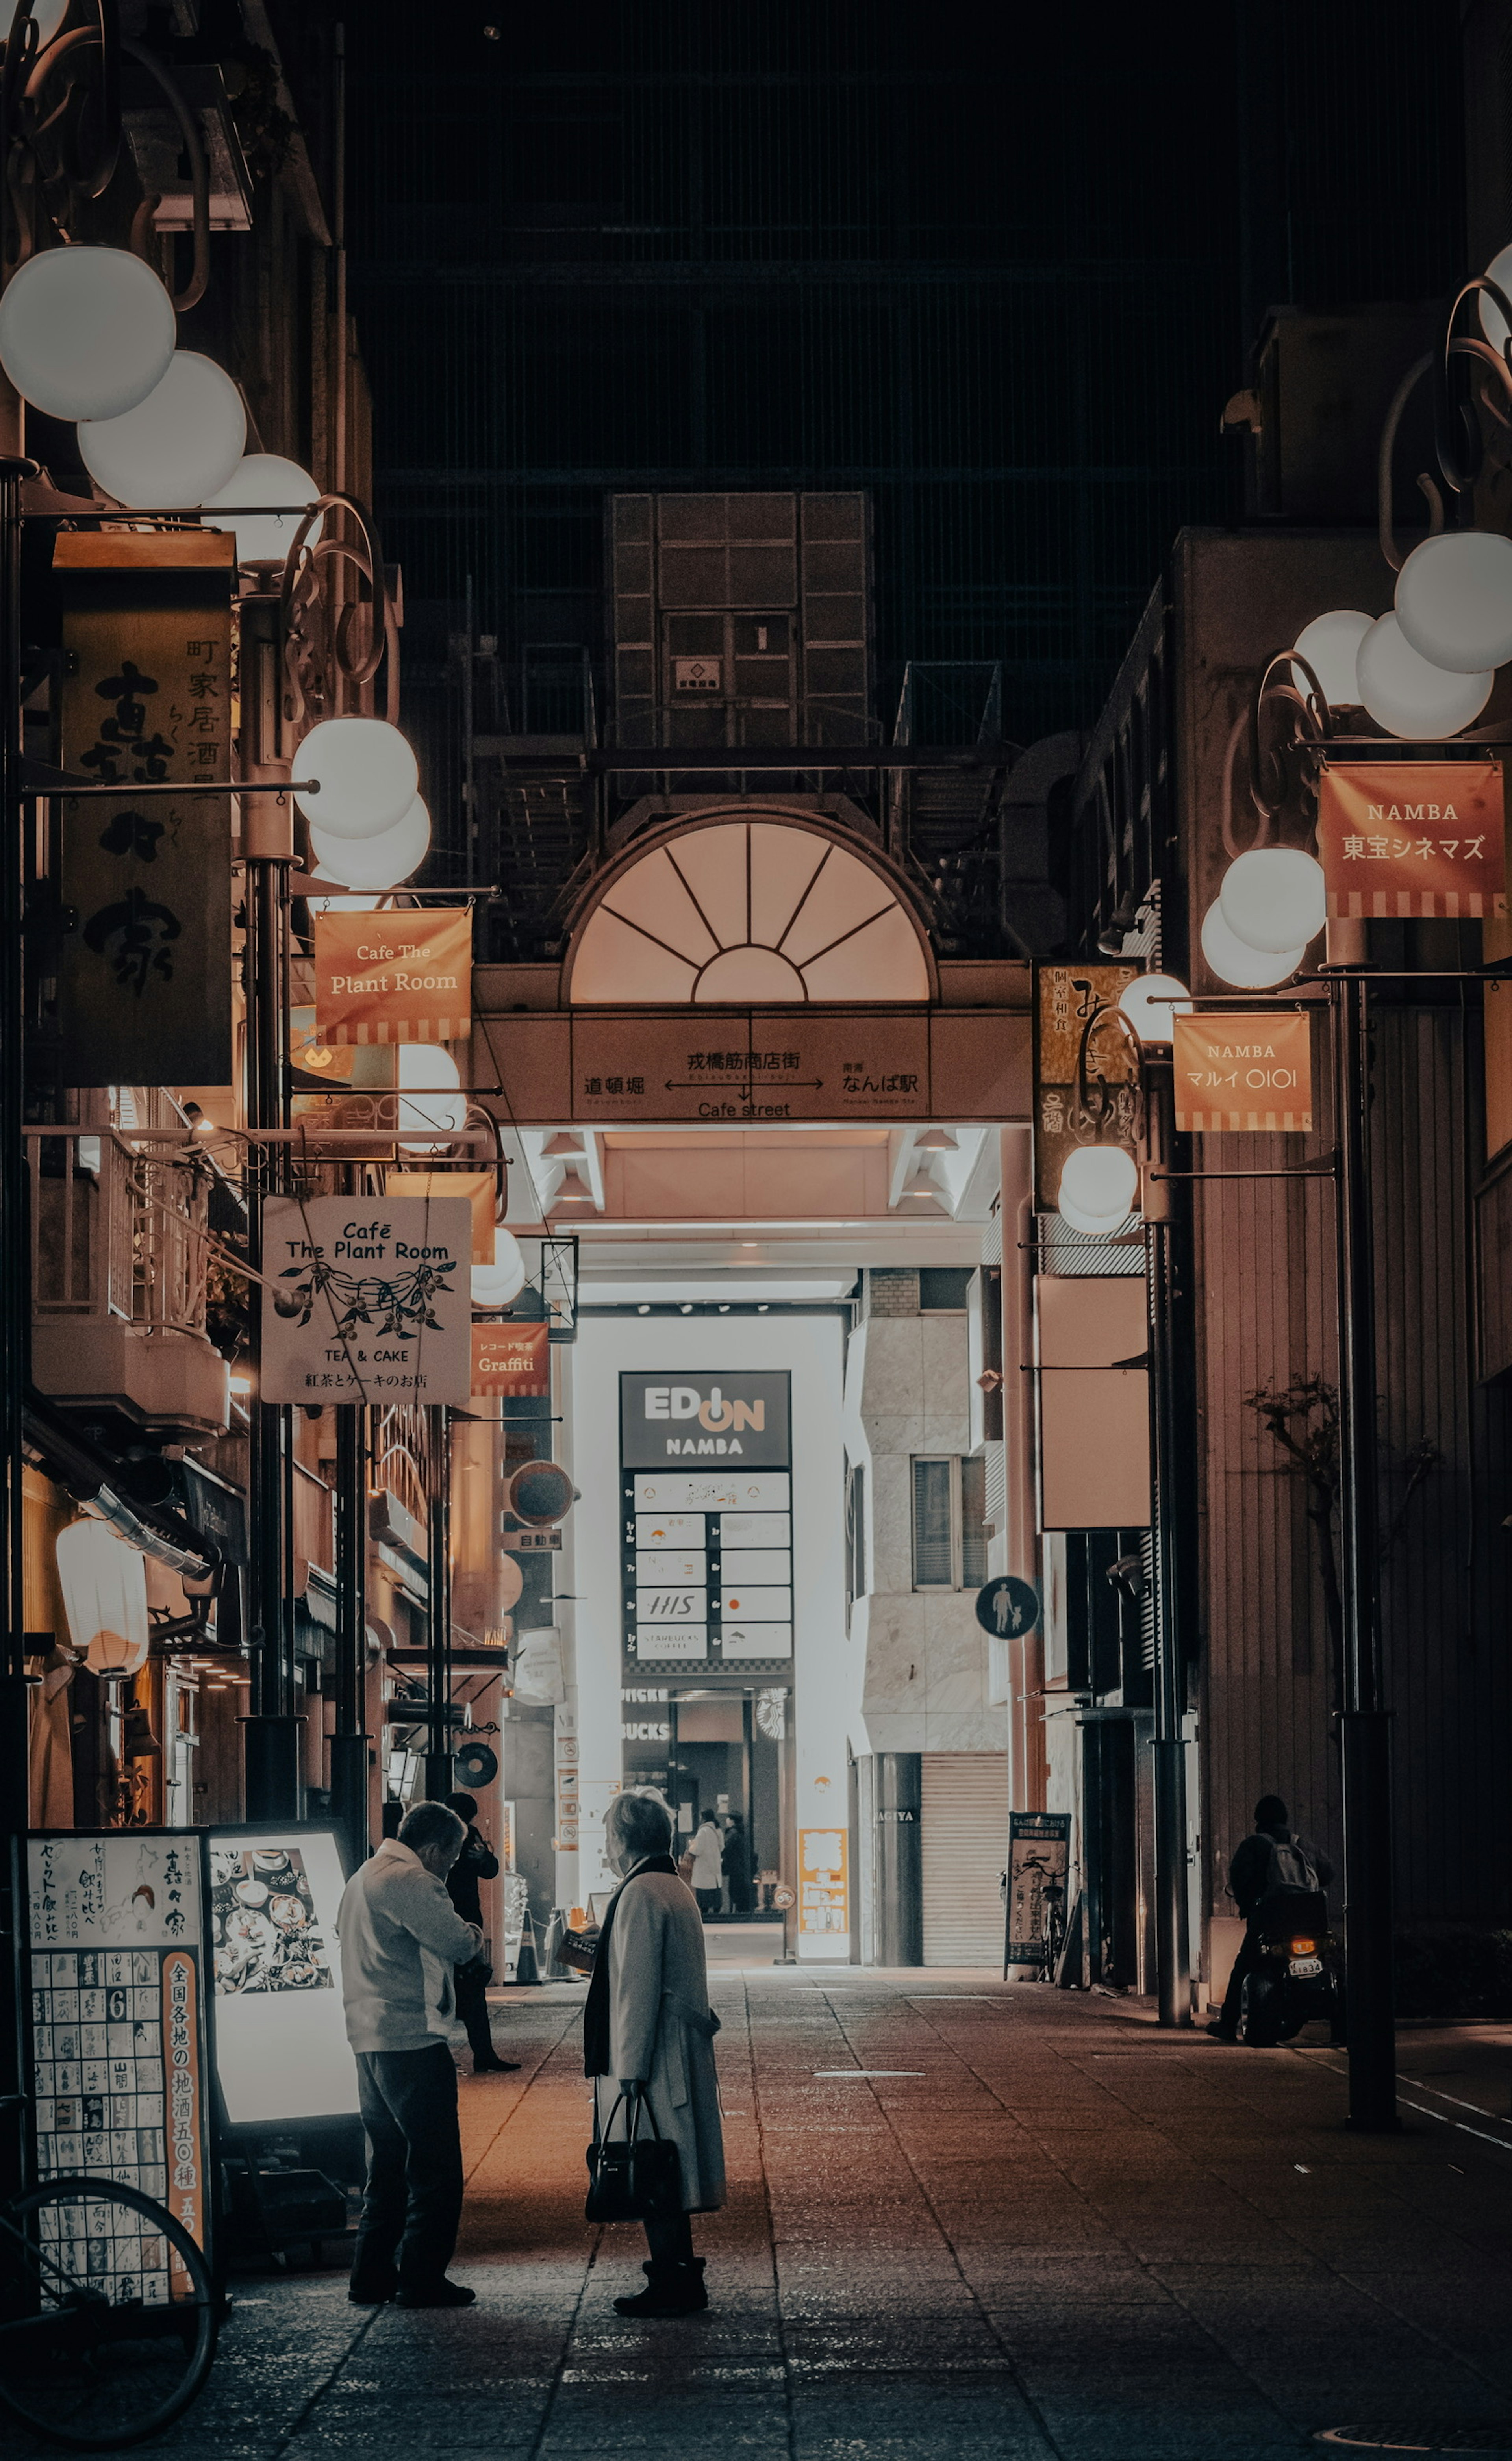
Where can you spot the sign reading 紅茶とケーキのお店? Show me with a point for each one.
(1245, 1071)
(144, 981)
(367, 1298)
(1400, 839)
(394, 977)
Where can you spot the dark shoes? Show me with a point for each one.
(440, 2294)
(373, 2294)
(1220, 2034)
(670, 2290)
(494, 2066)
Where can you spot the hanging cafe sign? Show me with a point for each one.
(394, 977)
(367, 1298)
(1249, 1071)
(1405, 839)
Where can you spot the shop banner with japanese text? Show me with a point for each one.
(367, 1298)
(1400, 839)
(1086, 1069)
(404, 977)
(1247, 1071)
(511, 1358)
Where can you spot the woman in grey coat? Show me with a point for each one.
(649, 2029)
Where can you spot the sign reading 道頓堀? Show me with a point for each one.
(1400, 839)
(1250, 1071)
(402, 977)
(367, 1298)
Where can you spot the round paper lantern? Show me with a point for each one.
(47, 16)
(104, 1585)
(1454, 600)
(86, 333)
(499, 1284)
(1331, 645)
(1100, 1181)
(1408, 696)
(379, 862)
(265, 479)
(509, 1581)
(1493, 324)
(427, 1075)
(1274, 898)
(1152, 1005)
(367, 776)
(1234, 961)
(1093, 1226)
(179, 445)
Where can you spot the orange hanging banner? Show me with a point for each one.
(1251, 1072)
(1401, 838)
(396, 977)
(511, 1358)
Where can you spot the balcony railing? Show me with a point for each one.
(116, 1232)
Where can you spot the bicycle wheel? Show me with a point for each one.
(108, 2321)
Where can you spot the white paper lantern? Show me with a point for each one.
(86, 333)
(1409, 697)
(1100, 1181)
(1493, 324)
(265, 479)
(1093, 1226)
(1274, 898)
(1454, 600)
(427, 1075)
(379, 862)
(1331, 645)
(46, 15)
(104, 1585)
(368, 777)
(1233, 960)
(177, 446)
(1152, 1005)
(499, 1284)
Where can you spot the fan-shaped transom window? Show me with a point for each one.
(749, 912)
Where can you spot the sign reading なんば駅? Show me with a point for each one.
(394, 977)
(367, 1298)
(1249, 1071)
(1403, 838)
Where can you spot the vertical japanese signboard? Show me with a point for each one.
(144, 980)
(1038, 1860)
(1242, 1070)
(707, 1517)
(1086, 1069)
(120, 2053)
(1412, 838)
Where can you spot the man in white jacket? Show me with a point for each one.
(400, 1939)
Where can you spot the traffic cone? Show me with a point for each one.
(526, 1970)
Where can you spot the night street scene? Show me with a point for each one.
(756, 1229)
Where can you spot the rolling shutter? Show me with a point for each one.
(964, 1840)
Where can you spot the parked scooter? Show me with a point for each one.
(1297, 1974)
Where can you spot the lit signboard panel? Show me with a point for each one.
(280, 2034)
(706, 1516)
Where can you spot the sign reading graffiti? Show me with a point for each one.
(367, 1299)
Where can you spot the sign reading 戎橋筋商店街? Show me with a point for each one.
(394, 977)
(144, 982)
(511, 1358)
(1399, 839)
(1247, 1071)
(367, 1298)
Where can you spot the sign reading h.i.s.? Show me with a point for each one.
(703, 1417)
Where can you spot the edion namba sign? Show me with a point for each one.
(705, 1416)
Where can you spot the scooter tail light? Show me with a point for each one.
(1303, 1948)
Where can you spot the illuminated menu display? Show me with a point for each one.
(707, 1540)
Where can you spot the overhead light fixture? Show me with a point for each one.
(644, 1308)
(571, 1190)
(921, 1189)
(725, 1308)
(1124, 917)
(562, 1149)
(937, 1140)
(687, 1307)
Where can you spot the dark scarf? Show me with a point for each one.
(596, 2011)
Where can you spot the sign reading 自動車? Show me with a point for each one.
(1400, 839)
(367, 1298)
(1245, 1071)
(394, 977)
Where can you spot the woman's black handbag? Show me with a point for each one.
(632, 2178)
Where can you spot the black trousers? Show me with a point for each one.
(414, 2197)
(472, 2007)
(1229, 2022)
(670, 2239)
(709, 1901)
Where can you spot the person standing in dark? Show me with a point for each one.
(476, 1862)
(738, 1877)
(1273, 1855)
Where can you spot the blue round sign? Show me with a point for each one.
(1008, 1606)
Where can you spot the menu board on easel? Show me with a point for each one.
(120, 2020)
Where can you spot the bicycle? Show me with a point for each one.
(108, 2315)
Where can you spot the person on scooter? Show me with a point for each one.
(1274, 1857)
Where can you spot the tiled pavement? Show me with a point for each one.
(1056, 2232)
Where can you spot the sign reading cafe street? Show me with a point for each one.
(367, 1298)
(1404, 838)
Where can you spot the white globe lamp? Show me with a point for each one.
(1454, 600)
(1493, 324)
(177, 446)
(1274, 898)
(499, 1284)
(367, 777)
(428, 1100)
(85, 332)
(263, 478)
(379, 862)
(1409, 697)
(1331, 645)
(47, 16)
(1102, 1182)
(1234, 961)
(1093, 1226)
(1152, 1005)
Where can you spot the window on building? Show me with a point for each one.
(943, 1288)
(855, 1533)
(949, 1540)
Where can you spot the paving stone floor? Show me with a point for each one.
(1052, 2231)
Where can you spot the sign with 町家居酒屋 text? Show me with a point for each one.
(367, 1298)
(1401, 838)
(394, 977)
(1250, 1071)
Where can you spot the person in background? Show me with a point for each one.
(738, 1869)
(1273, 1857)
(648, 2030)
(400, 1939)
(708, 1857)
(476, 1862)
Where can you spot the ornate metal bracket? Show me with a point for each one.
(334, 643)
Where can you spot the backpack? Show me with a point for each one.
(1290, 1867)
